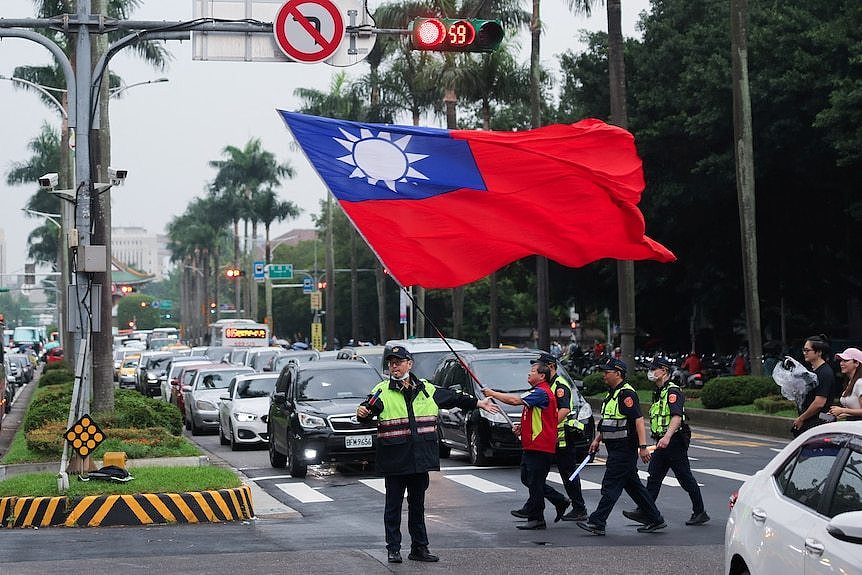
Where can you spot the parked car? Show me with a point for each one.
(297, 355)
(370, 354)
(151, 368)
(128, 376)
(802, 513)
(26, 372)
(312, 415)
(427, 353)
(201, 396)
(54, 355)
(481, 434)
(244, 409)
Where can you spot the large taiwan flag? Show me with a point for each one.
(442, 208)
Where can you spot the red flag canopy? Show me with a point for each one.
(442, 208)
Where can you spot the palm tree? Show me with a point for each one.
(269, 209)
(242, 174)
(344, 101)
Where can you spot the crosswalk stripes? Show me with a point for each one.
(724, 473)
(305, 493)
(479, 484)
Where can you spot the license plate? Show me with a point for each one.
(352, 441)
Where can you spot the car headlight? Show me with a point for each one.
(498, 418)
(240, 416)
(310, 421)
(152, 379)
(202, 405)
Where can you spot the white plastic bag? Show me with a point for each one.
(794, 379)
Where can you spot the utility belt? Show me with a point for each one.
(684, 431)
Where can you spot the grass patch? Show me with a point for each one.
(146, 480)
(18, 452)
(790, 413)
(695, 403)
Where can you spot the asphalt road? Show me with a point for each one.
(336, 526)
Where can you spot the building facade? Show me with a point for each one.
(135, 247)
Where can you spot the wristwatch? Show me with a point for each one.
(642, 446)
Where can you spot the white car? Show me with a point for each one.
(802, 513)
(243, 410)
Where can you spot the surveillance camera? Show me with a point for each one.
(49, 180)
(117, 177)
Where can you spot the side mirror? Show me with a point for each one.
(846, 527)
(225, 398)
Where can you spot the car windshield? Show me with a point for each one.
(159, 363)
(425, 363)
(249, 388)
(216, 380)
(320, 385)
(508, 375)
(284, 359)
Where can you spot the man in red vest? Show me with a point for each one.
(538, 431)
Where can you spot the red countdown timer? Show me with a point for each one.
(433, 33)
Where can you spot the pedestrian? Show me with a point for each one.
(624, 434)
(574, 433)
(670, 429)
(538, 431)
(815, 408)
(851, 397)
(406, 408)
(740, 366)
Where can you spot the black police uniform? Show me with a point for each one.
(621, 468)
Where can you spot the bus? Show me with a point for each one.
(238, 333)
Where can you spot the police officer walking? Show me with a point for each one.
(538, 431)
(622, 429)
(406, 408)
(673, 435)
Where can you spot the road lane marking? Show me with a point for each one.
(669, 481)
(270, 477)
(472, 467)
(303, 493)
(716, 449)
(724, 473)
(479, 484)
(378, 485)
(554, 477)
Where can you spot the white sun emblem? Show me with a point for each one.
(379, 159)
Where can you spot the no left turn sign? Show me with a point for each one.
(308, 30)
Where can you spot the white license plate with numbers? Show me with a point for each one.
(352, 441)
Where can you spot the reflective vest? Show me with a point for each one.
(571, 421)
(393, 423)
(659, 411)
(539, 426)
(614, 425)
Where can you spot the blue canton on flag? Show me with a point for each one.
(377, 162)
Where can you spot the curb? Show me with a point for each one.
(139, 509)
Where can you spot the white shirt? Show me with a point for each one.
(852, 400)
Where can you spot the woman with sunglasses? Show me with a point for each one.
(815, 408)
(851, 398)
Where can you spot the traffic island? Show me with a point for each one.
(217, 506)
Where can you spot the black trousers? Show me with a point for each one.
(535, 466)
(416, 484)
(568, 459)
(675, 458)
(621, 473)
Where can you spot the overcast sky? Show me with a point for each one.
(164, 134)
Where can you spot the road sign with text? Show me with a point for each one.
(280, 271)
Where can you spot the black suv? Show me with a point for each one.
(312, 415)
(481, 434)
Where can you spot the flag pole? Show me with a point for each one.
(446, 341)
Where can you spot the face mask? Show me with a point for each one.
(401, 378)
(650, 375)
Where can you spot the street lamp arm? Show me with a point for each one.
(115, 92)
(49, 217)
(40, 88)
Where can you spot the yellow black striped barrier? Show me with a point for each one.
(139, 509)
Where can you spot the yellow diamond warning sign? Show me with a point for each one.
(84, 436)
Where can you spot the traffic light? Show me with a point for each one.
(234, 273)
(321, 285)
(455, 34)
(212, 307)
(126, 290)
